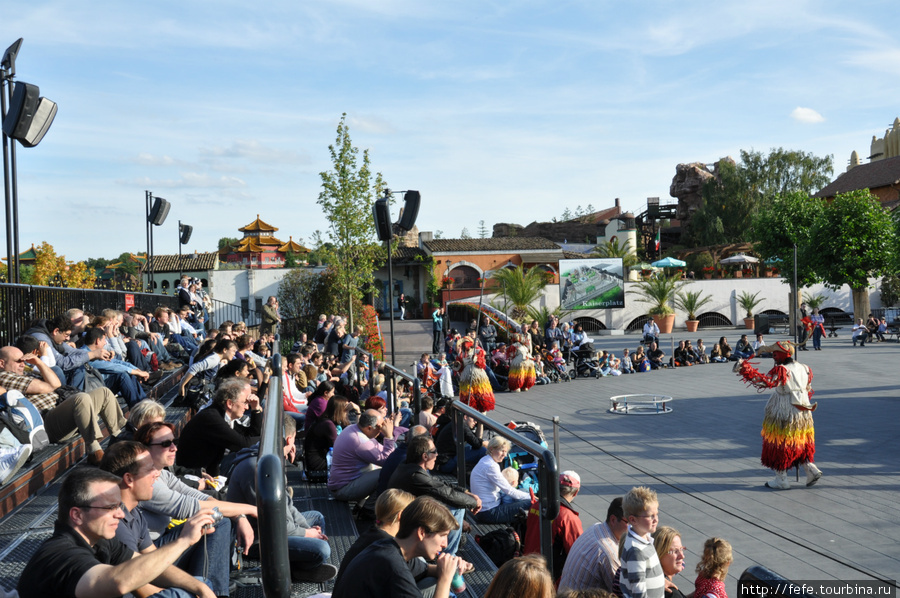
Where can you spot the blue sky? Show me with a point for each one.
(494, 110)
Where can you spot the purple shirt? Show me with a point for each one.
(353, 452)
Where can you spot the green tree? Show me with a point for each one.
(348, 194)
(566, 215)
(788, 221)
(729, 204)
(786, 171)
(853, 239)
(482, 230)
(520, 288)
(464, 234)
(227, 242)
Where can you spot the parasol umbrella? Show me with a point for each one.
(644, 266)
(669, 262)
(740, 259)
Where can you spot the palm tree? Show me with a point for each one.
(520, 288)
(614, 249)
(691, 302)
(658, 292)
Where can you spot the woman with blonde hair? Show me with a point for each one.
(490, 486)
(523, 577)
(713, 568)
(670, 550)
(387, 521)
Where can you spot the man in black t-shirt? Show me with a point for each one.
(381, 570)
(83, 558)
(656, 356)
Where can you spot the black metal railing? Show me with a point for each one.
(271, 502)
(21, 304)
(548, 471)
(223, 312)
(391, 374)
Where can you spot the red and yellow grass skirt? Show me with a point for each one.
(475, 389)
(788, 434)
(521, 375)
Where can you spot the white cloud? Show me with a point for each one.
(256, 152)
(188, 179)
(806, 115)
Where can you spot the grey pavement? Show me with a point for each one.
(703, 459)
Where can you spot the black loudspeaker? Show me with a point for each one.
(159, 211)
(382, 214)
(29, 116)
(186, 230)
(761, 324)
(410, 210)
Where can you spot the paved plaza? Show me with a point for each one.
(703, 459)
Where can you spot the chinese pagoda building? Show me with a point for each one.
(259, 248)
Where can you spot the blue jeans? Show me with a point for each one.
(309, 553)
(194, 560)
(472, 456)
(745, 354)
(455, 534)
(127, 386)
(503, 513)
(817, 338)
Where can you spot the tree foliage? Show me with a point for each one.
(228, 242)
(788, 221)
(786, 171)
(520, 288)
(348, 194)
(853, 239)
(50, 268)
(482, 230)
(304, 294)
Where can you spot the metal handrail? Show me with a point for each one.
(271, 501)
(392, 371)
(548, 470)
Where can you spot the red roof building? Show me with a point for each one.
(259, 248)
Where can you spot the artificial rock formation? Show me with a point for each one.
(687, 186)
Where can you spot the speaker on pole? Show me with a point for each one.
(29, 116)
(186, 230)
(410, 210)
(382, 213)
(159, 211)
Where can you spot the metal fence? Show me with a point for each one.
(21, 304)
(223, 312)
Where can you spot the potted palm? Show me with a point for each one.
(691, 302)
(749, 303)
(659, 293)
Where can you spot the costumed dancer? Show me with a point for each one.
(788, 433)
(474, 387)
(521, 364)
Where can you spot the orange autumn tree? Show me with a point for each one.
(47, 265)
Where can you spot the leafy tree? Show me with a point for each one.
(786, 222)
(227, 242)
(438, 234)
(465, 234)
(786, 171)
(482, 230)
(48, 265)
(347, 196)
(729, 204)
(890, 290)
(853, 239)
(292, 260)
(566, 215)
(521, 288)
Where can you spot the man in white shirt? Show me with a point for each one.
(651, 332)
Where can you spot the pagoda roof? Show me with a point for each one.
(258, 226)
(292, 247)
(28, 254)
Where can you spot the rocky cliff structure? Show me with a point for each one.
(687, 186)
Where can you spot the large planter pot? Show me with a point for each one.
(665, 323)
(707, 275)
(691, 325)
(748, 323)
(738, 274)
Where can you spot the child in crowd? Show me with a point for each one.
(558, 359)
(627, 366)
(641, 575)
(442, 360)
(713, 568)
(540, 377)
(512, 476)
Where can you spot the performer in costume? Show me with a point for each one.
(521, 364)
(474, 386)
(788, 433)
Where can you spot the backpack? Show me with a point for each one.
(23, 420)
(500, 545)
